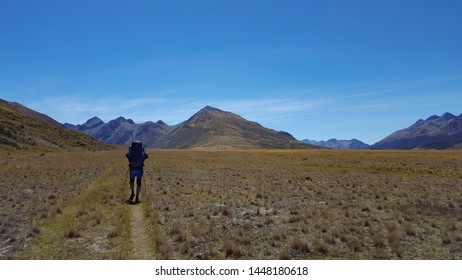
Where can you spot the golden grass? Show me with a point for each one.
(69, 204)
(262, 204)
(37, 186)
(93, 225)
(299, 204)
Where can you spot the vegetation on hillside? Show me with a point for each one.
(21, 132)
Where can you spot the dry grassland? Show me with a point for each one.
(306, 204)
(37, 188)
(204, 204)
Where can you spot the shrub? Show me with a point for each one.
(394, 240)
(409, 229)
(379, 240)
(73, 233)
(231, 249)
(116, 231)
(301, 245)
(321, 247)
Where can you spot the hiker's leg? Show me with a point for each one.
(138, 188)
(132, 187)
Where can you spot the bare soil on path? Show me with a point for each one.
(139, 234)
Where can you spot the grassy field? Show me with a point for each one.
(45, 193)
(204, 204)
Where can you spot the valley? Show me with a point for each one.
(233, 204)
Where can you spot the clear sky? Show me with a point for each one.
(316, 69)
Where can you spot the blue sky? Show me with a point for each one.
(317, 69)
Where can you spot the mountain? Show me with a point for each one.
(23, 110)
(23, 128)
(122, 131)
(353, 144)
(90, 126)
(210, 127)
(436, 132)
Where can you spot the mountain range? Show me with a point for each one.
(353, 144)
(122, 131)
(208, 128)
(21, 127)
(435, 132)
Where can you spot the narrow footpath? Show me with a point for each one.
(139, 234)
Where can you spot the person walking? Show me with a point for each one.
(136, 156)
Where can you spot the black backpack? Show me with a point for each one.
(136, 155)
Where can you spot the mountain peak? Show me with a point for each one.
(208, 113)
(211, 109)
(120, 119)
(213, 127)
(94, 120)
(90, 124)
(447, 116)
(434, 117)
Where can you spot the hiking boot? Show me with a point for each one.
(131, 197)
(137, 200)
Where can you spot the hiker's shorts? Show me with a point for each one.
(136, 173)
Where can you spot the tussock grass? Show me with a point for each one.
(283, 204)
(92, 225)
(265, 204)
(36, 186)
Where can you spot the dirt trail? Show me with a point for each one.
(139, 235)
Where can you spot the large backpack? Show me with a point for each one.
(136, 155)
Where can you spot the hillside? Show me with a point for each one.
(23, 110)
(435, 132)
(23, 128)
(212, 127)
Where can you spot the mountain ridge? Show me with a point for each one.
(22, 129)
(122, 131)
(25, 111)
(435, 132)
(213, 127)
(210, 127)
(353, 144)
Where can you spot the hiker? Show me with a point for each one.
(136, 156)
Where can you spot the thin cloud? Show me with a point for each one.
(77, 109)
